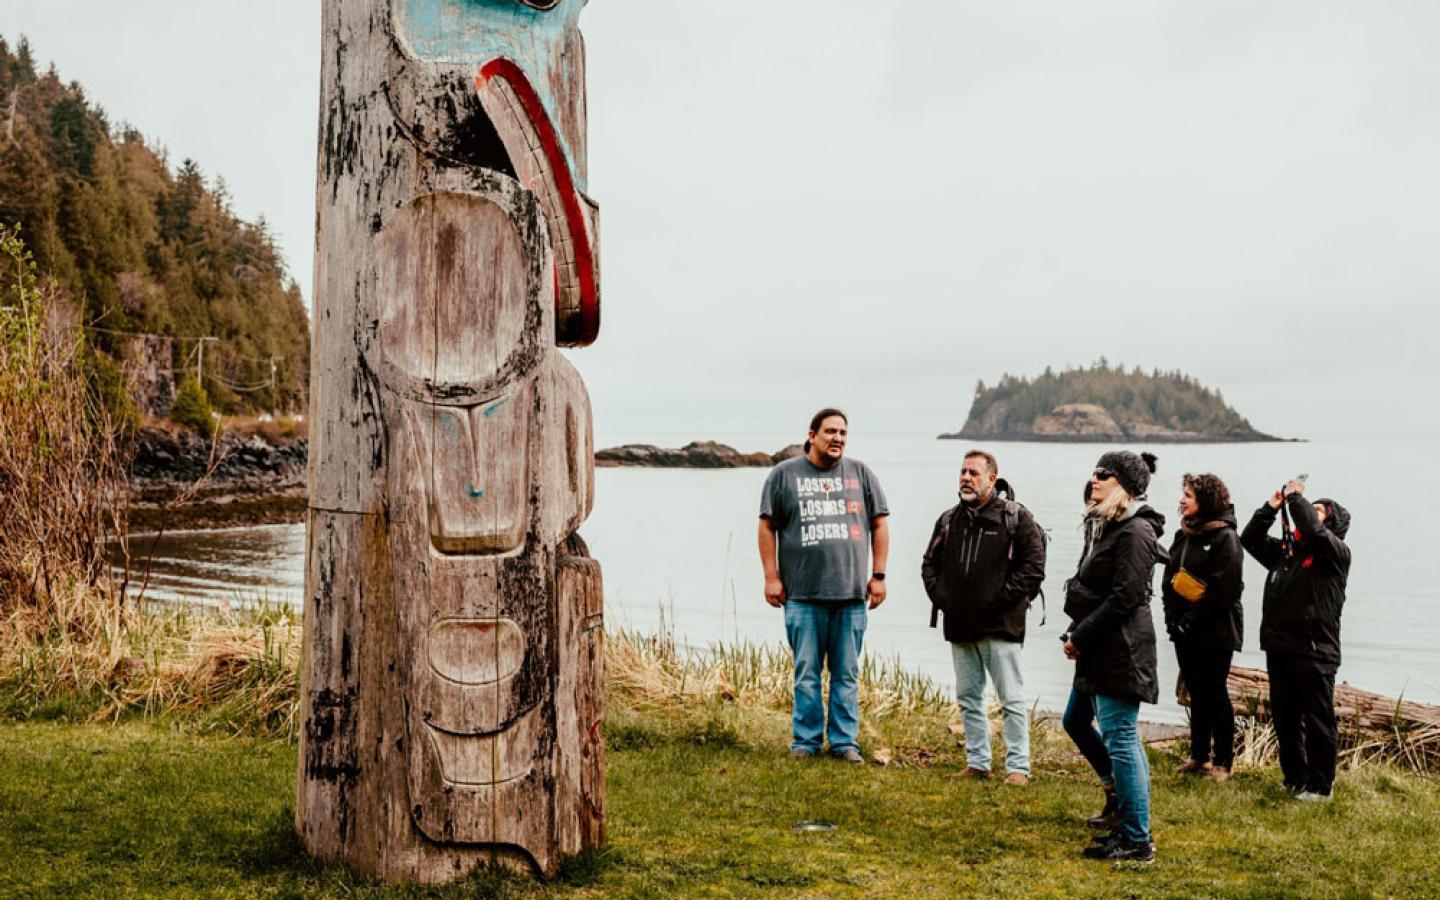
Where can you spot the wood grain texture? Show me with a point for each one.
(452, 684)
(1354, 709)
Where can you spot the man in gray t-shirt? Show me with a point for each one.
(822, 518)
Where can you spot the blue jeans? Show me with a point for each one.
(826, 635)
(1002, 660)
(1115, 753)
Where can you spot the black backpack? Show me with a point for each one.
(1011, 518)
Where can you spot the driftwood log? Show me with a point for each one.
(1355, 709)
(452, 684)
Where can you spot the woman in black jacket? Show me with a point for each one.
(1112, 641)
(1201, 591)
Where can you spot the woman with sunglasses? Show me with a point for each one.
(1201, 591)
(1112, 641)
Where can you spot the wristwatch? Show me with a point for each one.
(878, 576)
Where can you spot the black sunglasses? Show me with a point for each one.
(1102, 474)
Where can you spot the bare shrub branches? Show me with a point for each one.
(62, 463)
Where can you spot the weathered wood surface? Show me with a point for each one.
(451, 691)
(1354, 708)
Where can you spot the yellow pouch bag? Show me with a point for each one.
(1188, 586)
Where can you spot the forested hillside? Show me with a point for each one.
(1104, 402)
(151, 259)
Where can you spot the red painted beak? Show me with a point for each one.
(539, 159)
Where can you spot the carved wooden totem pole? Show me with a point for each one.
(451, 688)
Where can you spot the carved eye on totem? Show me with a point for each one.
(541, 4)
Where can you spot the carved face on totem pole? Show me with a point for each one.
(481, 252)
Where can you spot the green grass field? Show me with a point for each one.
(148, 809)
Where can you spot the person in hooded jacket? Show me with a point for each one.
(984, 563)
(1112, 641)
(1300, 629)
(1201, 591)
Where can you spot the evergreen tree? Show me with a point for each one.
(136, 247)
(192, 406)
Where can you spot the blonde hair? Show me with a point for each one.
(1112, 507)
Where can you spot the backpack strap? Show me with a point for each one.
(1012, 525)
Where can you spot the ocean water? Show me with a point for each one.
(678, 548)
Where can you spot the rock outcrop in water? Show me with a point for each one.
(695, 455)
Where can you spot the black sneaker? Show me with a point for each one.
(1120, 850)
(1109, 817)
(1102, 839)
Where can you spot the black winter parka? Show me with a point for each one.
(1108, 602)
(1217, 620)
(1305, 590)
(979, 575)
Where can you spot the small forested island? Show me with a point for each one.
(1104, 403)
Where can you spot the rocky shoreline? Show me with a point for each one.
(180, 481)
(1081, 423)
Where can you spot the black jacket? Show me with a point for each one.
(1305, 590)
(1213, 555)
(981, 576)
(1108, 602)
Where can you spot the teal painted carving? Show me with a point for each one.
(538, 40)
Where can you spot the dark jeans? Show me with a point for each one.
(1079, 722)
(1302, 707)
(1212, 718)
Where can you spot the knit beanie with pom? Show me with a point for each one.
(1132, 470)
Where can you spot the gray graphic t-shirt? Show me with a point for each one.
(822, 517)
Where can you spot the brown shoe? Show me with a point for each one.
(1219, 773)
(971, 772)
(1019, 779)
(1193, 767)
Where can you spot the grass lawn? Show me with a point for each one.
(141, 809)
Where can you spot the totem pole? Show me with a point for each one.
(451, 688)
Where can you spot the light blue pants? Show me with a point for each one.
(1002, 660)
(1118, 717)
(828, 636)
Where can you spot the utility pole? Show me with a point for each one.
(200, 360)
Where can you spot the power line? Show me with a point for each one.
(184, 337)
(198, 354)
(239, 389)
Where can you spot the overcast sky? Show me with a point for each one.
(875, 204)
